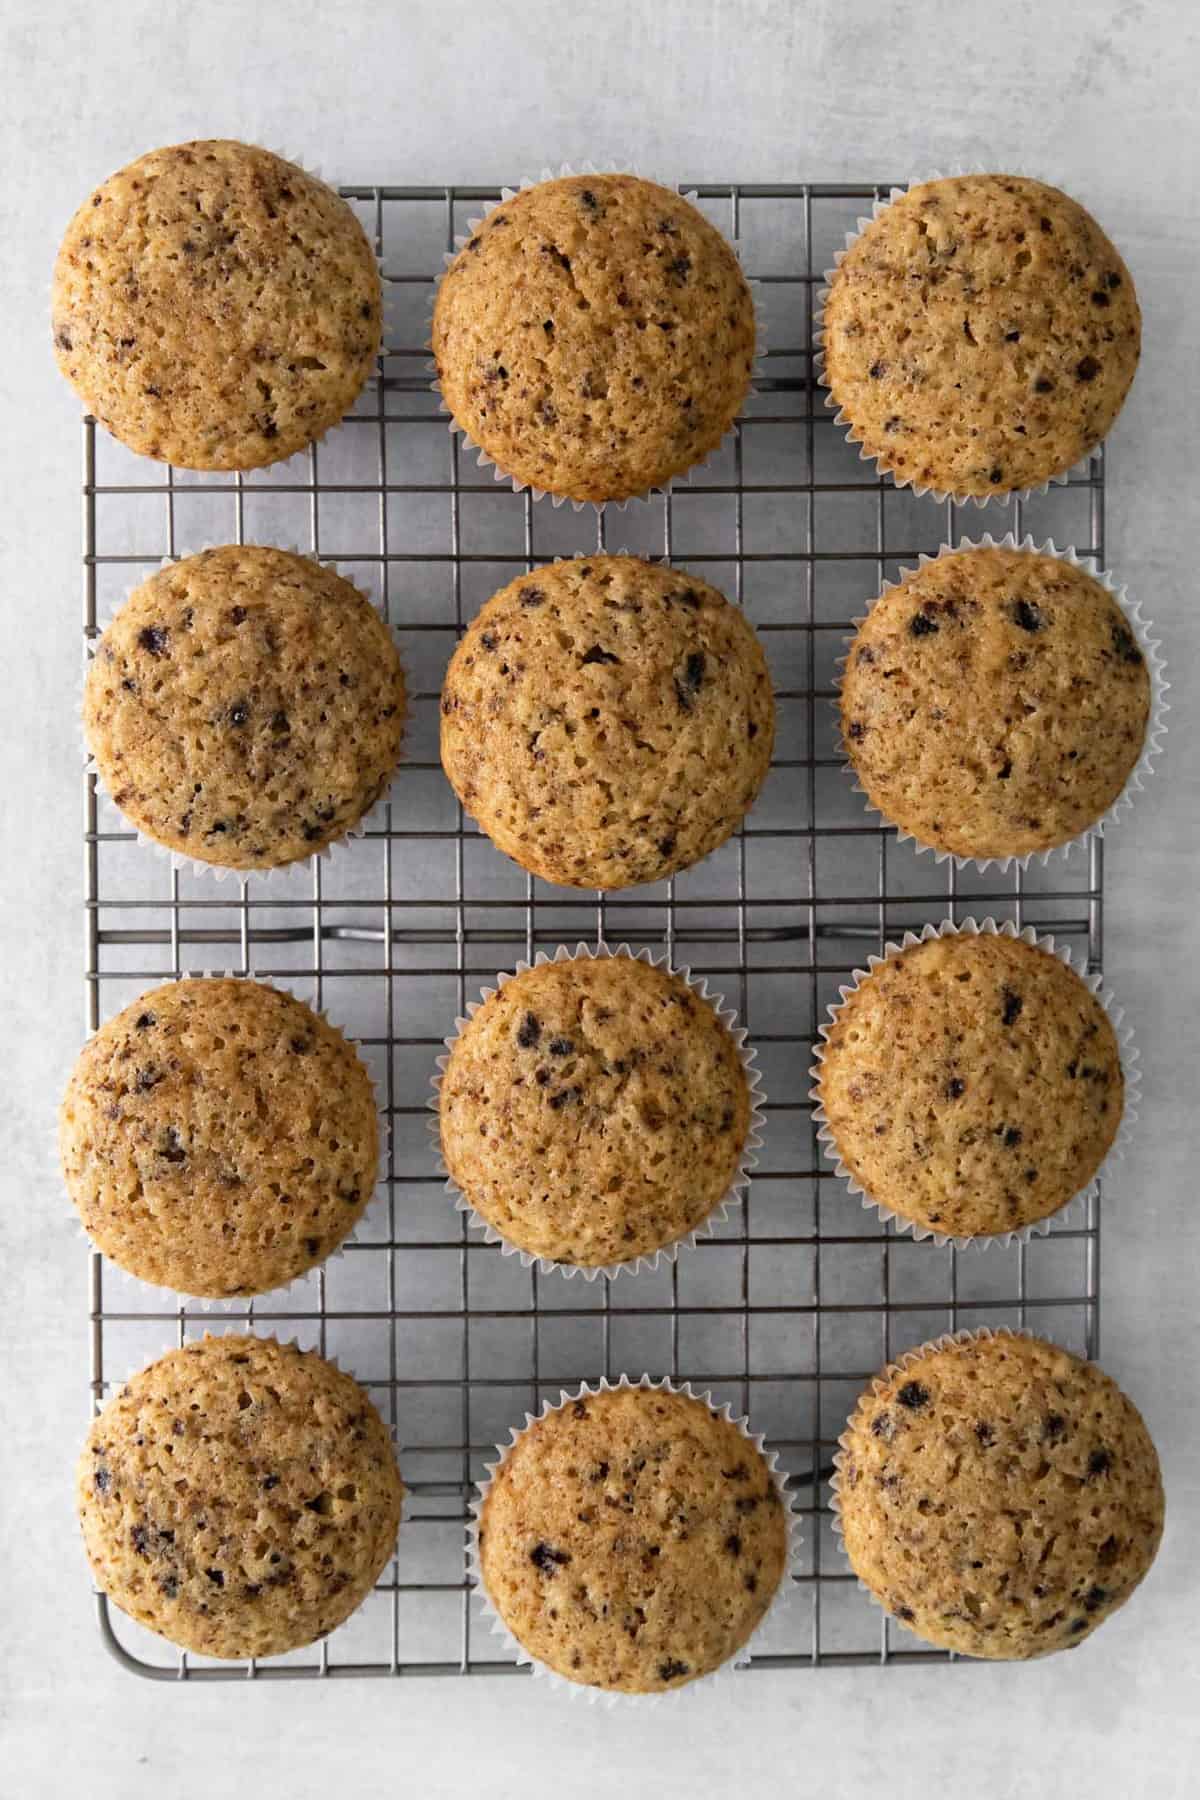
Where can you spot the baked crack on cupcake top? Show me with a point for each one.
(633, 1539)
(998, 1496)
(972, 1085)
(218, 1137)
(995, 702)
(594, 1110)
(607, 721)
(981, 334)
(245, 707)
(595, 336)
(239, 1497)
(215, 307)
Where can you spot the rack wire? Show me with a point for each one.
(802, 1294)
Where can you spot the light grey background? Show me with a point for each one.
(1097, 97)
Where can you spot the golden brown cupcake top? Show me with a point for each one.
(245, 707)
(239, 1496)
(632, 1539)
(995, 702)
(972, 1084)
(594, 1110)
(215, 307)
(595, 336)
(999, 1496)
(218, 1137)
(608, 721)
(981, 335)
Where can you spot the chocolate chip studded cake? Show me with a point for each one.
(995, 702)
(632, 1540)
(607, 721)
(239, 1496)
(215, 307)
(998, 1496)
(972, 1085)
(218, 1137)
(245, 707)
(594, 1110)
(980, 335)
(595, 336)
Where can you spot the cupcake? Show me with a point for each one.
(594, 336)
(218, 1137)
(245, 708)
(607, 721)
(980, 335)
(995, 702)
(631, 1540)
(595, 1110)
(998, 1496)
(215, 307)
(239, 1497)
(971, 1084)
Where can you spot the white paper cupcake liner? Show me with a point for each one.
(1156, 724)
(1129, 1055)
(747, 1161)
(606, 1696)
(841, 417)
(898, 1363)
(372, 819)
(174, 1298)
(485, 461)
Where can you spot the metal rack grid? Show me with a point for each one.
(802, 1294)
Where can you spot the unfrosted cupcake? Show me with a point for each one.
(632, 1539)
(595, 336)
(594, 1110)
(971, 1084)
(215, 306)
(608, 721)
(239, 1497)
(218, 1137)
(995, 702)
(980, 335)
(998, 1496)
(246, 707)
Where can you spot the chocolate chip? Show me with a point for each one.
(1087, 369)
(144, 1021)
(1013, 1003)
(955, 1088)
(1027, 615)
(671, 1669)
(1094, 1599)
(216, 1577)
(750, 1583)
(1113, 279)
(1012, 337)
(914, 1395)
(146, 1079)
(312, 1245)
(1043, 385)
(1012, 1137)
(856, 730)
(688, 685)
(154, 639)
(921, 625)
(883, 1426)
(876, 370)
(733, 1544)
(1125, 644)
(1054, 1426)
(269, 1482)
(666, 846)
(1099, 1462)
(173, 1150)
(589, 201)
(529, 1031)
(1108, 1552)
(680, 269)
(169, 1587)
(488, 640)
(1005, 769)
(102, 1479)
(560, 1046)
(600, 1472)
(237, 615)
(530, 596)
(239, 712)
(300, 1046)
(280, 724)
(1100, 298)
(906, 1613)
(996, 475)
(985, 1433)
(546, 1560)
(564, 1097)
(579, 1410)
(139, 1537)
(62, 340)
(597, 655)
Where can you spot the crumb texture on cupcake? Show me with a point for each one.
(245, 707)
(218, 1137)
(594, 1110)
(239, 1497)
(607, 721)
(981, 335)
(216, 307)
(595, 336)
(972, 1084)
(632, 1540)
(995, 702)
(999, 1496)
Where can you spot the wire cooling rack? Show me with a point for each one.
(802, 1294)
